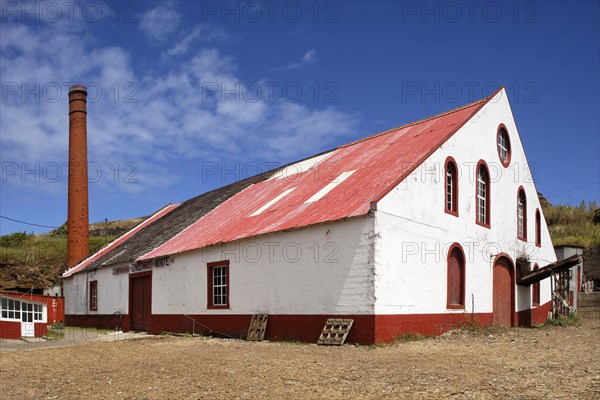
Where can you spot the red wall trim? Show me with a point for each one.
(509, 149)
(488, 191)
(454, 210)
(104, 321)
(127, 324)
(367, 329)
(533, 316)
(302, 328)
(10, 330)
(93, 306)
(520, 191)
(140, 274)
(463, 274)
(511, 268)
(209, 284)
(389, 327)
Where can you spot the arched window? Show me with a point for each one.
(483, 195)
(451, 187)
(503, 143)
(456, 277)
(521, 215)
(538, 228)
(535, 291)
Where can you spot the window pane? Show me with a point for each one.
(17, 314)
(4, 314)
(4, 304)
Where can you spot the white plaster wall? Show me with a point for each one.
(325, 269)
(113, 292)
(414, 233)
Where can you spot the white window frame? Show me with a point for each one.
(482, 199)
(219, 286)
(503, 145)
(20, 309)
(521, 210)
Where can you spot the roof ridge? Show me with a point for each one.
(440, 115)
(480, 104)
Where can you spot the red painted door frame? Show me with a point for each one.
(503, 275)
(140, 301)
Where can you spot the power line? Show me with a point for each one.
(29, 223)
(574, 189)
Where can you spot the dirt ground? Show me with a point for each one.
(539, 363)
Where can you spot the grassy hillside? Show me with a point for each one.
(573, 225)
(28, 260)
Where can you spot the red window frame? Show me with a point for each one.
(535, 291)
(461, 279)
(521, 193)
(210, 284)
(453, 210)
(487, 223)
(538, 228)
(93, 295)
(505, 163)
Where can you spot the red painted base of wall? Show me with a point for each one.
(104, 321)
(301, 328)
(12, 329)
(389, 327)
(534, 316)
(367, 329)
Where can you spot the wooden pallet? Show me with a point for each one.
(258, 326)
(335, 331)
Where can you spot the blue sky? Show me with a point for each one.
(187, 96)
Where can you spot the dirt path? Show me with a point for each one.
(548, 363)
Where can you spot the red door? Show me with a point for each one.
(141, 300)
(503, 293)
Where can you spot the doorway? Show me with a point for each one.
(503, 292)
(140, 301)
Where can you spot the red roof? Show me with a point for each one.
(379, 162)
(120, 240)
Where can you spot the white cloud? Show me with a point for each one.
(163, 121)
(160, 22)
(198, 33)
(309, 58)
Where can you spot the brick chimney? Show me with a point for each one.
(77, 223)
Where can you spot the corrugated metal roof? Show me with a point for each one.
(379, 163)
(164, 227)
(119, 241)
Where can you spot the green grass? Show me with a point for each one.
(39, 259)
(55, 332)
(408, 337)
(96, 331)
(573, 225)
(563, 321)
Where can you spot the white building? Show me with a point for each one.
(415, 229)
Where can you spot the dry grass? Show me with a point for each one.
(573, 225)
(552, 362)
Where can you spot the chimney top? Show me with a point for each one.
(77, 88)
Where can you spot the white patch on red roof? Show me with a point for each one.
(330, 186)
(273, 201)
